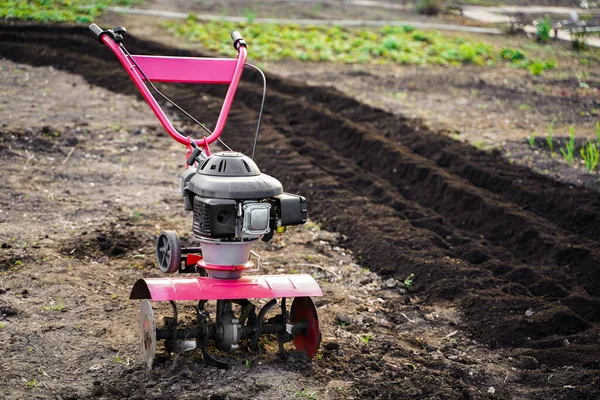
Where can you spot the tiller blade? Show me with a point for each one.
(147, 332)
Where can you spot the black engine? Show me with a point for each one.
(232, 200)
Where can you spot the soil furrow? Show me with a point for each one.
(465, 206)
(574, 209)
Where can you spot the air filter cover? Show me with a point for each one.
(231, 175)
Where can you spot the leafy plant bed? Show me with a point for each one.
(390, 44)
(81, 11)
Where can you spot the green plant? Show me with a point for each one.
(578, 38)
(537, 67)
(54, 305)
(428, 7)
(589, 153)
(411, 366)
(408, 282)
(531, 139)
(524, 107)
(598, 131)
(512, 55)
(549, 139)
(569, 149)
(365, 339)
(31, 384)
(304, 393)
(136, 215)
(543, 29)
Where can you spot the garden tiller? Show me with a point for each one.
(233, 206)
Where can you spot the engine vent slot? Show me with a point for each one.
(246, 166)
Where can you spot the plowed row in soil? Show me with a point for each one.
(516, 250)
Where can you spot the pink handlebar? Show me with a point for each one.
(196, 70)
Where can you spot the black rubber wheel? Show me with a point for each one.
(168, 252)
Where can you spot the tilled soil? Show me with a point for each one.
(516, 252)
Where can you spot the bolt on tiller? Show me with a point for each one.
(233, 206)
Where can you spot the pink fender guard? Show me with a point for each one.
(205, 288)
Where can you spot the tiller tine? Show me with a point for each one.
(227, 332)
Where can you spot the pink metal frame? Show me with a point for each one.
(205, 288)
(185, 70)
(214, 71)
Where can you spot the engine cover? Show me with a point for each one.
(231, 175)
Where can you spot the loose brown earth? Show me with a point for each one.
(505, 300)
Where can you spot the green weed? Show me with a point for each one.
(537, 67)
(524, 107)
(54, 305)
(598, 131)
(543, 30)
(136, 215)
(578, 39)
(512, 55)
(531, 139)
(408, 282)
(569, 150)
(411, 366)
(365, 339)
(549, 139)
(304, 393)
(589, 153)
(31, 384)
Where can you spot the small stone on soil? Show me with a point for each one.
(527, 362)
(331, 346)
(391, 283)
(343, 319)
(331, 237)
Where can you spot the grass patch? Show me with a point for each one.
(54, 305)
(390, 44)
(589, 153)
(569, 150)
(80, 11)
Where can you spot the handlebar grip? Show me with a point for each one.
(97, 31)
(238, 40)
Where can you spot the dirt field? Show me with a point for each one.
(505, 297)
